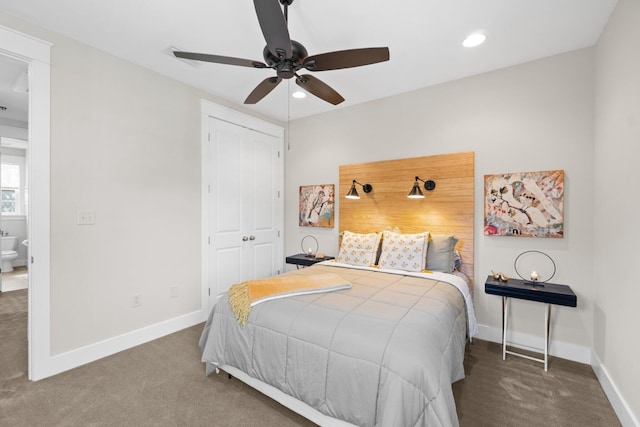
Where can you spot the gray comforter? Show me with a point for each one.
(383, 353)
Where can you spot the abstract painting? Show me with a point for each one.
(524, 204)
(316, 205)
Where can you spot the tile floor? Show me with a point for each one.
(15, 280)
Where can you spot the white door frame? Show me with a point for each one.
(37, 54)
(209, 109)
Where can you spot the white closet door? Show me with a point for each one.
(225, 205)
(262, 208)
(243, 205)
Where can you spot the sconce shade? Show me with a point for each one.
(353, 193)
(416, 193)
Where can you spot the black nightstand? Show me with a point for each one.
(548, 293)
(305, 260)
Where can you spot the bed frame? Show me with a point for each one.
(287, 401)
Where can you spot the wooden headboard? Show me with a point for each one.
(448, 209)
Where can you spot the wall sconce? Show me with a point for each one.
(416, 193)
(353, 193)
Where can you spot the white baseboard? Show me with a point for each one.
(619, 404)
(81, 356)
(576, 353)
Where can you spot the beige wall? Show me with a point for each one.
(125, 142)
(536, 116)
(616, 205)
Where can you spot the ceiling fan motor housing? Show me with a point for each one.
(286, 68)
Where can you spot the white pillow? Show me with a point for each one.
(404, 251)
(359, 249)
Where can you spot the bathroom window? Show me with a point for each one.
(8, 200)
(12, 188)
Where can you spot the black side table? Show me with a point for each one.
(305, 260)
(548, 293)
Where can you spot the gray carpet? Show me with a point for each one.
(162, 383)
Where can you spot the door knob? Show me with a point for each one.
(245, 238)
(252, 237)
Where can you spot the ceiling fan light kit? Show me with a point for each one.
(287, 56)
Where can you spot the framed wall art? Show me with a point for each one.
(316, 205)
(524, 204)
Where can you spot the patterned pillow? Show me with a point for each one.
(359, 249)
(404, 251)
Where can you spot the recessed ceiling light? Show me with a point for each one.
(474, 40)
(299, 94)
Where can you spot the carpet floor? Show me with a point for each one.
(162, 383)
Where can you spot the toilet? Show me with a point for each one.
(9, 253)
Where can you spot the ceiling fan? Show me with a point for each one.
(287, 56)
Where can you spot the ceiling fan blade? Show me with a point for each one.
(262, 90)
(346, 58)
(220, 59)
(274, 27)
(318, 88)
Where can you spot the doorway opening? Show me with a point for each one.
(14, 231)
(36, 55)
(14, 277)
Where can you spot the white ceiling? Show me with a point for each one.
(12, 73)
(424, 38)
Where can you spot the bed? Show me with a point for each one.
(385, 351)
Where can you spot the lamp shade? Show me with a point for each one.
(353, 193)
(415, 192)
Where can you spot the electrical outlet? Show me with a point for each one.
(173, 291)
(136, 300)
(86, 217)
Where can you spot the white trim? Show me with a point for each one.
(37, 54)
(24, 46)
(6, 217)
(209, 109)
(564, 350)
(204, 208)
(619, 404)
(74, 358)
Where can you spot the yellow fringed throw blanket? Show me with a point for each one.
(243, 296)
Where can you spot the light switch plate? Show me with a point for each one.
(86, 217)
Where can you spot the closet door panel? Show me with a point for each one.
(244, 205)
